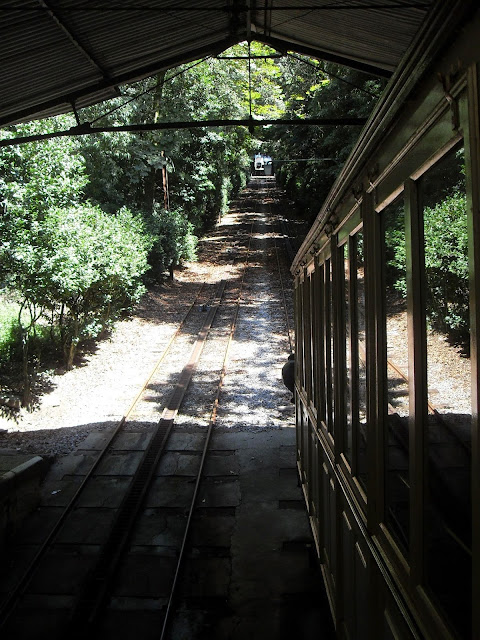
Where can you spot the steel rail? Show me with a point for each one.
(8, 605)
(95, 588)
(284, 297)
(211, 425)
(282, 286)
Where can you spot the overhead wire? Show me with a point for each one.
(332, 75)
(153, 88)
(175, 75)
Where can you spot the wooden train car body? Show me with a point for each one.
(386, 404)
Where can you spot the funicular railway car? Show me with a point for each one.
(386, 382)
(262, 165)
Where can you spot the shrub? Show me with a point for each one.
(9, 336)
(446, 265)
(78, 267)
(173, 240)
(95, 268)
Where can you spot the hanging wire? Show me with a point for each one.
(142, 93)
(332, 75)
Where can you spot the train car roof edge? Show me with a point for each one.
(436, 31)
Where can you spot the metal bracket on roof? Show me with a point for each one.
(357, 192)
(81, 129)
(75, 113)
(331, 226)
(447, 85)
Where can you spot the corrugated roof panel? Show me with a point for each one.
(143, 35)
(56, 51)
(373, 36)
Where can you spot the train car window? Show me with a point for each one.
(312, 391)
(447, 439)
(329, 359)
(319, 395)
(353, 332)
(304, 442)
(344, 259)
(307, 335)
(396, 410)
(360, 432)
(299, 333)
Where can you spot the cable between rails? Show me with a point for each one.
(211, 425)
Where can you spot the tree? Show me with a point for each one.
(173, 240)
(96, 267)
(40, 175)
(316, 154)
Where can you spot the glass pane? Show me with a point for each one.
(319, 369)
(448, 430)
(397, 482)
(344, 259)
(306, 332)
(304, 441)
(314, 322)
(299, 333)
(329, 345)
(308, 335)
(361, 372)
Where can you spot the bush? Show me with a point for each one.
(446, 265)
(172, 238)
(79, 268)
(9, 334)
(96, 266)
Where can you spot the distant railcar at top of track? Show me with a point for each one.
(262, 165)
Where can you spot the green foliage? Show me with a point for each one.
(173, 240)
(446, 264)
(8, 330)
(79, 267)
(39, 175)
(205, 167)
(318, 89)
(96, 266)
(395, 250)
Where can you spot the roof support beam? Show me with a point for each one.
(86, 129)
(243, 6)
(87, 94)
(285, 45)
(73, 39)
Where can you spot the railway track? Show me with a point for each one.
(123, 538)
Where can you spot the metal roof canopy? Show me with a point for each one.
(61, 55)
